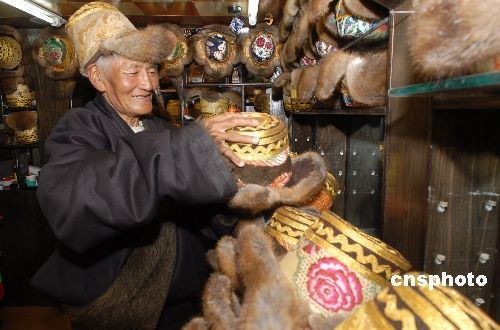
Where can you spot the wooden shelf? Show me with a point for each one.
(18, 146)
(368, 111)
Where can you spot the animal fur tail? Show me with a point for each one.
(333, 68)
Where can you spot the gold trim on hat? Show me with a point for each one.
(11, 53)
(370, 242)
(392, 312)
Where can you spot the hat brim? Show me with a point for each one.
(309, 175)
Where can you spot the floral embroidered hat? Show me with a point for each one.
(418, 307)
(261, 50)
(54, 51)
(215, 47)
(173, 65)
(336, 268)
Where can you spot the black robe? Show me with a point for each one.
(103, 184)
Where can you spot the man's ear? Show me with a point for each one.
(96, 77)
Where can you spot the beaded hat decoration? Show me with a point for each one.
(261, 50)
(54, 51)
(336, 268)
(215, 48)
(418, 307)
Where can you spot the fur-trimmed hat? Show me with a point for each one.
(351, 26)
(365, 76)
(261, 50)
(216, 48)
(326, 273)
(419, 306)
(173, 66)
(468, 35)
(55, 52)
(271, 177)
(99, 28)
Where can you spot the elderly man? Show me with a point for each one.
(114, 176)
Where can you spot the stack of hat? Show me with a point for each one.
(418, 307)
(11, 59)
(336, 268)
(24, 124)
(54, 51)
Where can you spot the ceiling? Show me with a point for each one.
(144, 12)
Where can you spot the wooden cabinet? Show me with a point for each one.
(442, 170)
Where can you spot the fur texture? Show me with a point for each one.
(21, 120)
(220, 305)
(289, 13)
(332, 68)
(365, 9)
(366, 79)
(264, 69)
(175, 68)
(270, 301)
(226, 259)
(137, 296)
(150, 45)
(198, 323)
(253, 199)
(308, 81)
(449, 37)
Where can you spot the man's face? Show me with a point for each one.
(129, 86)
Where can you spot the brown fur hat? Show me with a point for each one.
(99, 28)
(221, 307)
(307, 83)
(55, 52)
(366, 9)
(449, 37)
(309, 175)
(290, 12)
(261, 50)
(207, 44)
(365, 76)
(173, 66)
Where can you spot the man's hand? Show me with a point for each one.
(217, 127)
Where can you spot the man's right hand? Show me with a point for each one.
(217, 127)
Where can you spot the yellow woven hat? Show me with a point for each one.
(99, 28)
(22, 97)
(270, 177)
(10, 53)
(336, 268)
(418, 307)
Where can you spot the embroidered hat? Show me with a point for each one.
(99, 28)
(10, 53)
(418, 307)
(173, 65)
(215, 47)
(261, 50)
(22, 97)
(271, 178)
(351, 26)
(336, 267)
(55, 52)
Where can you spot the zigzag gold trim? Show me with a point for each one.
(394, 313)
(359, 266)
(280, 237)
(330, 238)
(247, 152)
(287, 212)
(377, 317)
(371, 243)
(423, 309)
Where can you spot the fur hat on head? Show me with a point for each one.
(270, 177)
(173, 66)
(261, 50)
(99, 28)
(215, 47)
(450, 37)
(55, 52)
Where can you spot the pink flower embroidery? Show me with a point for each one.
(311, 248)
(260, 41)
(333, 286)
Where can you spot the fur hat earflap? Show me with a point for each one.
(450, 37)
(333, 68)
(308, 176)
(221, 306)
(366, 78)
(366, 9)
(289, 14)
(308, 81)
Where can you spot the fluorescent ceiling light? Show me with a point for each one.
(253, 9)
(37, 11)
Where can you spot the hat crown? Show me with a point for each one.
(10, 53)
(91, 25)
